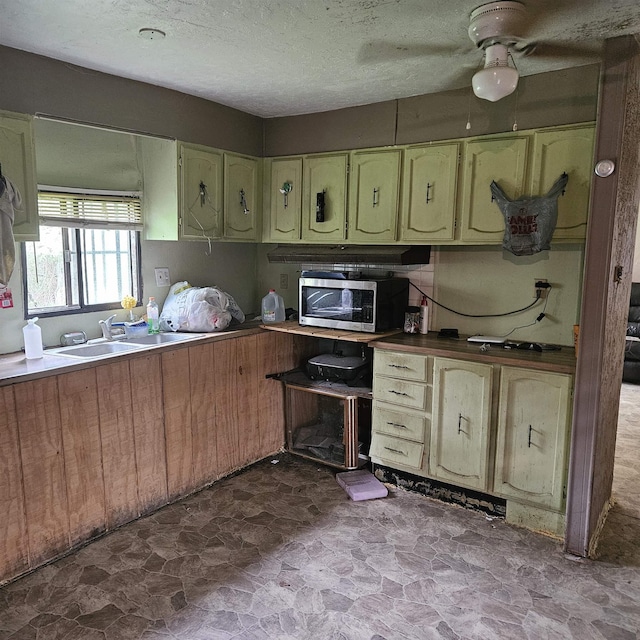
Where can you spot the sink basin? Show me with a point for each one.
(163, 338)
(94, 350)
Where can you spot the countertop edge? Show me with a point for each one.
(26, 370)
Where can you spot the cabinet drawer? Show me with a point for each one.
(396, 451)
(398, 423)
(400, 365)
(413, 395)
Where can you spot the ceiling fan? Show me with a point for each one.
(498, 29)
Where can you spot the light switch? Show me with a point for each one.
(162, 277)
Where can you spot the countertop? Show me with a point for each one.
(14, 367)
(561, 361)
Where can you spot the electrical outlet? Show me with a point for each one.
(284, 281)
(540, 292)
(162, 277)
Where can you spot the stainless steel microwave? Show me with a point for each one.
(369, 305)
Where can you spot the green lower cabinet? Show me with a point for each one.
(533, 437)
(459, 451)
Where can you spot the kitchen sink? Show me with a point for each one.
(94, 350)
(163, 338)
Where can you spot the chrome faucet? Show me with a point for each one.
(107, 329)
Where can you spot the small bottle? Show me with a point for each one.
(32, 340)
(273, 307)
(153, 316)
(424, 316)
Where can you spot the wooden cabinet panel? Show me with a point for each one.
(397, 451)
(248, 406)
(17, 156)
(373, 196)
(429, 193)
(225, 399)
(203, 416)
(503, 159)
(568, 150)
(413, 395)
(400, 365)
(14, 548)
(240, 197)
(326, 174)
(459, 449)
(533, 436)
(45, 493)
(200, 193)
(176, 394)
(286, 208)
(148, 431)
(398, 422)
(82, 453)
(118, 444)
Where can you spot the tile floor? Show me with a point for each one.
(278, 551)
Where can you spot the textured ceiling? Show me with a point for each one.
(285, 57)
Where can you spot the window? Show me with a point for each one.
(88, 255)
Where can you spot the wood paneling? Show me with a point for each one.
(176, 393)
(226, 400)
(45, 492)
(148, 431)
(249, 407)
(82, 453)
(118, 447)
(204, 379)
(14, 549)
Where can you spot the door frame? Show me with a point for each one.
(605, 297)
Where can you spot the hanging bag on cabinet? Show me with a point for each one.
(529, 221)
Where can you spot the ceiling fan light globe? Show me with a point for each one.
(494, 83)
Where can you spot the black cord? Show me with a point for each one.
(471, 315)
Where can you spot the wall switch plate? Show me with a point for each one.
(284, 281)
(162, 277)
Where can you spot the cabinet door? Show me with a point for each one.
(429, 193)
(327, 175)
(532, 436)
(286, 199)
(373, 196)
(460, 425)
(240, 197)
(568, 150)
(200, 193)
(17, 158)
(502, 159)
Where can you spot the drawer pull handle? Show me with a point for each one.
(398, 366)
(530, 430)
(402, 453)
(459, 423)
(398, 393)
(397, 424)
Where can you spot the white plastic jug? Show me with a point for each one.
(272, 307)
(32, 340)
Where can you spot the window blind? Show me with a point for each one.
(94, 210)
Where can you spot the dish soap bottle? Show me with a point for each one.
(424, 316)
(32, 339)
(272, 307)
(153, 316)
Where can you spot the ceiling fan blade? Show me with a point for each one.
(377, 51)
(541, 49)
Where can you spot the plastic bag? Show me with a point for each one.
(529, 221)
(198, 309)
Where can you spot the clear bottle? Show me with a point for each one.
(424, 316)
(153, 316)
(273, 307)
(32, 340)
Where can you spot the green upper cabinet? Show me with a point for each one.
(533, 436)
(500, 158)
(241, 197)
(460, 422)
(373, 196)
(324, 199)
(285, 198)
(565, 150)
(17, 157)
(200, 193)
(430, 180)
